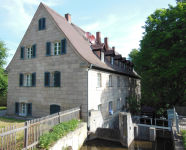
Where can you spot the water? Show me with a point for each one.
(99, 144)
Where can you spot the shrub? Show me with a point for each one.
(57, 132)
(134, 105)
(183, 133)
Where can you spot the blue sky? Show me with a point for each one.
(119, 20)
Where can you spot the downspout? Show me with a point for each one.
(88, 125)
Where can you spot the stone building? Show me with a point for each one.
(56, 68)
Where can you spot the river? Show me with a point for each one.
(99, 144)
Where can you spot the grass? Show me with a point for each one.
(7, 122)
(58, 131)
(183, 133)
(3, 107)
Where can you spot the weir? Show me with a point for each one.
(128, 131)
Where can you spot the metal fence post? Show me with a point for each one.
(177, 123)
(26, 135)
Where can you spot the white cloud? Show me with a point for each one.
(17, 16)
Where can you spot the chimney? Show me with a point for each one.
(113, 48)
(68, 17)
(98, 37)
(106, 42)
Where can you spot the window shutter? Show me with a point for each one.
(57, 79)
(39, 26)
(29, 109)
(16, 108)
(21, 77)
(48, 48)
(34, 51)
(22, 52)
(63, 46)
(34, 79)
(43, 23)
(47, 79)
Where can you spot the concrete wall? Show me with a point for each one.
(73, 90)
(126, 129)
(74, 139)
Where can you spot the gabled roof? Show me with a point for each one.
(76, 36)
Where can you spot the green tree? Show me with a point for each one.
(3, 74)
(180, 1)
(161, 60)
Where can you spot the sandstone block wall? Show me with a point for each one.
(73, 90)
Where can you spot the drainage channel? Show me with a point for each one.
(100, 144)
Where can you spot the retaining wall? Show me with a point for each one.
(74, 139)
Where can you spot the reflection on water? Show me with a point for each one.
(159, 144)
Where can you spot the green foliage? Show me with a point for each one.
(67, 148)
(134, 105)
(180, 1)
(3, 74)
(161, 60)
(3, 107)
(58, 131)
(183, 133)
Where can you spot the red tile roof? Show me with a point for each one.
(76, 37)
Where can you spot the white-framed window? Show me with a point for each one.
(28, 79)
(118, 104)
(102, 57)
(118, 82)
(98, 80)
(112, 60)
(110, 80)
(120, 64)
(57, 48)
(99, 107)
(29, 52)
(110, 105)
(24, 108)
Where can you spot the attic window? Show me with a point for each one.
(102, 57)
(119, 63)
(42, 24)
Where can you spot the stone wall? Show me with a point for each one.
(73, 90)
(74, 139)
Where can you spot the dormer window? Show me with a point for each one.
(112, 60)
(42, 24)
(120, 64)
(102, 57)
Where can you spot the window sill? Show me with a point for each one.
(27, 86)
(55, 55)
(99, 88)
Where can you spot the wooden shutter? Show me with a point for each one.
(57, 79)
(29, 109)
(43, 23)
(39, 26)
(22, 52)
(63, 46)
(16, 108)
(47, 79)
(21, 77)
(48, 48)
(34, 51)
(34, 79)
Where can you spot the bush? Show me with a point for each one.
(134, 105)
(183, 133)
(57, 132)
